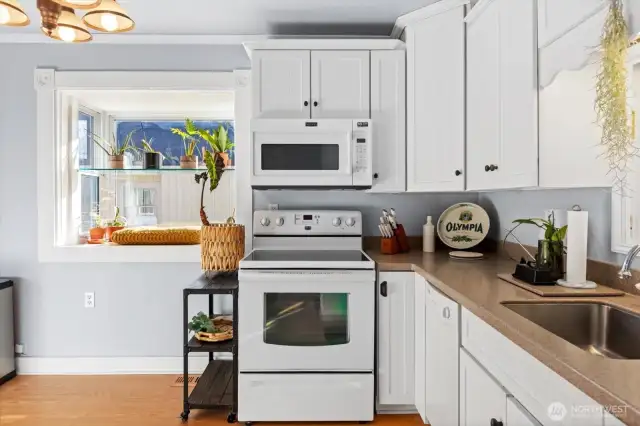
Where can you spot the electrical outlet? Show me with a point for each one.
(273, 207)
(90, 300)
(19, 349)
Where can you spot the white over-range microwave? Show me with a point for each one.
(300, 153)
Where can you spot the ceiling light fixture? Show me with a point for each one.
(60, 22)
(12, 14)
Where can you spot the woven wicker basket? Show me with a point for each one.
(222, 247)
(156, 236)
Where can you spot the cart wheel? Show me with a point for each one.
(184, 416)
(232, 418)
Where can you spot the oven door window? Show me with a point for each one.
(306, 319)
(300, 157)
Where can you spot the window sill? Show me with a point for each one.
(86, 253)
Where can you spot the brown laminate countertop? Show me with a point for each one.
(475, 286)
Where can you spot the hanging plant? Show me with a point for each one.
(611, 96)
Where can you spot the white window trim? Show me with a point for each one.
(50, 84)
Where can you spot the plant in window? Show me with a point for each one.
(218, 140)
(115, 152)
(152, 158)
(96, 233)
(119, 222)
(190, 142)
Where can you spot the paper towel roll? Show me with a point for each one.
(559, 218)
(577, 246)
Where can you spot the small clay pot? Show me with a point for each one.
(109, 230)
(115, 161)
(152, 160)
(225, 158)
(189, 162)
(96, 234)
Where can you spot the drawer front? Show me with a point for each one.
(540, 390)
(305, 397)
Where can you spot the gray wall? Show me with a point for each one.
(412, 209)
(503, 207)
(129, 297)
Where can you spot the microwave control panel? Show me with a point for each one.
(362, 153)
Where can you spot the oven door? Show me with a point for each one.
(301, 153)
(306, 321)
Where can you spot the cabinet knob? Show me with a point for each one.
(383, 289)
(446, 313)
(487, 168)
(306, 103)
(493, 168)
(315, 103)
(375, 176)
(458, 172)
(495, 422)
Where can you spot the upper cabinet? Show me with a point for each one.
(340, 84)
(310, 84)
(282, 83)
(502, 94)
(557, 18)
(435, 100)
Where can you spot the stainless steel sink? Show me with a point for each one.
(594, 327)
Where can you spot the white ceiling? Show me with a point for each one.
(256, 17)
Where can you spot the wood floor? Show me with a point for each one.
(113, 401)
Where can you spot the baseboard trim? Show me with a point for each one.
(106, 366)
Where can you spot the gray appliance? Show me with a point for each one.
(7, 357)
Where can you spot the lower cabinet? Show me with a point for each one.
(483, 402)
(517, 415)
(396, 368)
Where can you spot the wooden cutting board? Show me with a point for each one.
(559, 291)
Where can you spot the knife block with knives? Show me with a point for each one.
(394, 238)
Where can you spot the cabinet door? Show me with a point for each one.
(556, 18)
(483, 95)
(395, 338)
(481, 397)
(340, 84)
(281, 83)
(517, 415)
(442, 349)
(419, 342)
(435, 95)
(388, 107)
(518, 152)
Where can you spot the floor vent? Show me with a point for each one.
(192, 380)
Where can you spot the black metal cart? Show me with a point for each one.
(218, 385)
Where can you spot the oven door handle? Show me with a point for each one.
(383, 289)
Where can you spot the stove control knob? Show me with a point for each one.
(265, 221)
(280, 221)
(350, 221)
(337, 221)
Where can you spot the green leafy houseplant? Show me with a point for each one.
(152, 158)
(118, 220)
(202, 323)
(115, 151)
(551, 248)
(189, 137)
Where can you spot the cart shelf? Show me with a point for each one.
(196, 345)
(215, 387)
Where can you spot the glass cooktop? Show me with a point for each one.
(307, 256)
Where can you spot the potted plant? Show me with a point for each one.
(189, 160)
(115, 153)
(550, 249)
(218, 141)
(118, 223)
(96, 233)
(152, 158)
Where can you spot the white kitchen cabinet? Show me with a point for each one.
(281, 83)
(442, 324)
(396, 294)
(610, 420)
(502, 93)
(436, 102)
(388, 114)
(419, 346)
(340, 84)
(517, 415)
(557, 18)
(482, 400)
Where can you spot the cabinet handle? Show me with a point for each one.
(306, 103)
(495, 422)
(446, 313)
(383, 288)
(458, 172)
(487, 168)
(375, 176)
(315, 103)
(493, 168)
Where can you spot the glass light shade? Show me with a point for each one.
(70, 28)
(79, 4)
(12, 14)
(109, 17)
